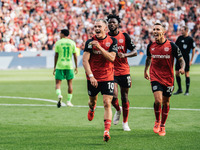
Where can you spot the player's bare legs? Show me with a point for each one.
(107, 99)
(115, 103)
(187, 82)
(58, 92)
(70, 90)
(178, 80)
(92, 104)
(157, 110)
(125, 107)
(165, 111)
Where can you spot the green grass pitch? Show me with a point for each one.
(40, 125)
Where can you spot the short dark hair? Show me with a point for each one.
(65, 32)
(185, 28)
(110, 16)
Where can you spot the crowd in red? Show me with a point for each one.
(27, 25)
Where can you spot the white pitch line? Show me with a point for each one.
(30, 98)
(63, 104)
(79, 106)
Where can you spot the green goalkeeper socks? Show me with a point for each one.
(69, 97)
(58, 92)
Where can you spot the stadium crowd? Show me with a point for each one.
(27, 25)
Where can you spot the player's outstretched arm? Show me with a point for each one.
(75, 61)
(147, 64)
(86, 65)
(182, 64)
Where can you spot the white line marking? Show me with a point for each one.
(30, 98)
(63, 104)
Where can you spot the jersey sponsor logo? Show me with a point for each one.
(108, 44)
(152, 49)
(184, 46)
(161, 56)
(90, 45)
(120, 47)
(166, 49)
(121, 40)
(97, 52)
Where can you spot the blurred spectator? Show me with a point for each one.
(35, 25)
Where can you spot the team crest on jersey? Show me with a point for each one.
(108, 44)
(155, 87)
(166, 49)
(121, 40)
(184, 46)
(152, 49)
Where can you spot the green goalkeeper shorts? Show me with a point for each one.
(67, 74)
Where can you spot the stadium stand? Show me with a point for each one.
(27, 25)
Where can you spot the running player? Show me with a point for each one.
(63, 66)
(185, 44)
(121, 69)
(160, 54)
(98, 57)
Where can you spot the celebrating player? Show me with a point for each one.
(121, 70)
(98, 57)
(63, 66)
(185, 43)
(160, 54)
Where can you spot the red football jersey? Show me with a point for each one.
(102, 69)
(162, 62)
(121, 66)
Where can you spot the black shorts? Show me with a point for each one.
(123, 81)
(187, 65)
(106, 88)
(167, 91)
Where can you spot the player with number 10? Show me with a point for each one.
(98, 57)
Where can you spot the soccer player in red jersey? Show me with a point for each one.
(98, 57)
(160, 55)
(121, 69)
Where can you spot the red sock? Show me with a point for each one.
(107, 124)
(115, 103)
(125, 107)
(165, 111)
(157, 111)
